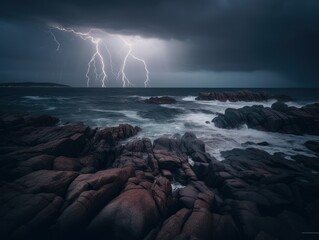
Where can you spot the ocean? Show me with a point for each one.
(107, 107)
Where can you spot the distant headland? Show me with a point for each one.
(32, 84)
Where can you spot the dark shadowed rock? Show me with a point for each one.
(46, 181)
(235, 96)
(41, 162)
(280, 107)
(279, 118)
(173, 226)
(41, 121)
(66, 164)
(312, 210)
(113, 134)
(310, 162)
(225, 228)
(160, 100)
(26, 215)
(283, 98)
(292, 225)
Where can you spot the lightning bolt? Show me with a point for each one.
(125, 80)
(56, 41)
(97, 57)
(147, 72)
(110, 59)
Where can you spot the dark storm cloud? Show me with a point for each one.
(226, 35)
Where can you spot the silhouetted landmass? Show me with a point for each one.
(32, 84)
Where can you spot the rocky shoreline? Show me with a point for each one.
(74, 182)
(243, 95)
(278, 118)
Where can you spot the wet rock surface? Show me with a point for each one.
(278, 118)
(242, 95)
(234, 96)
(160, 100)
(74, 182)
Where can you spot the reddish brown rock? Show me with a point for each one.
(134, 212)
(116, 133)
(46, 181)
(188, 196)
(88, 194)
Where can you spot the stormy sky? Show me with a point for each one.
(186, 43)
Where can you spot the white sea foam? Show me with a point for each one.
(172, 106)
(220, 107)
(176, 186)
(218, 140)
(132, 115)
(189, 99)
(50, 108)
(126, 113)
(100, 110)
(36, 98)
(139, 97)
(61, 98)
(298, 104)
(101, 122)
(190, 161)
(192, 115)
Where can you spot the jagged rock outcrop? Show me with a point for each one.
(242, 95)
(234, 96)
(96, 187)
(278, 118)
(265, 194)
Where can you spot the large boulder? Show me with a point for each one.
(160, 100)
(134, 212)
(88, 194)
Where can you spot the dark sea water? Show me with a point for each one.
(112, 106)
